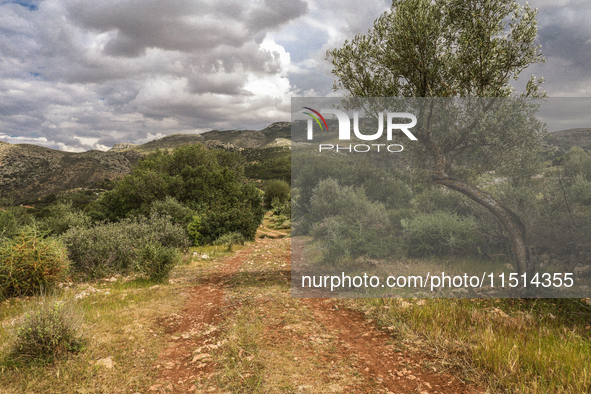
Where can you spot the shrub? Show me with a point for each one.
(111, 247)
(347, 224)
(30, 263)
(276, 189)
(194, 176)
(63, 217)
(46, 333)
(281, 208)
(211, 225)
(156, 261)
(12, 219)
(230, 240)
(441, 233)
(179, 213)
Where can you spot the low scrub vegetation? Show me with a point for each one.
(515, 345)
(156, 261)
(47, 332)
(109, 248)
(30, 263)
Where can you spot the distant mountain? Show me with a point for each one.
(566, 139)
(28, 172)
(226, 139)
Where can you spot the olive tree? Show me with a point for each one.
(456, 49)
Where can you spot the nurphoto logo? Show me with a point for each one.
(345, 130)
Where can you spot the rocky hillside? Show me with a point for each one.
(28, 172)
(566, 139)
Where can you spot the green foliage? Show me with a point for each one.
(109, 248)
(230, 240)
(12, 219)
(156, 261)
(179, 213)
(194, 176)
(347, 224)
(48, 332)
(212, 224)
(442, 199)
(30, 263)
(384, 185)
(440, 48)
(268, 163)
(191, 182)
(63, 217)
(441, 233)
(276, 189)
(577, 162)
(281, 208)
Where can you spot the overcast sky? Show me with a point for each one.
(85, 74)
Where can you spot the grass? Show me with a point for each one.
(516, 345)
(119, 322)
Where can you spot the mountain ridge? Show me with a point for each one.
(28, 172)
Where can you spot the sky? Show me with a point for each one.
(78, 75)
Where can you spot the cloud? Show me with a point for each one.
(85, 75)
(77, 75)
(565, 35)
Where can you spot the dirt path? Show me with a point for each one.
(241, 332)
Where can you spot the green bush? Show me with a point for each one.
(208, 227)
(281, 208)
(196, 177)
(276, 189)
(30, 263)
(156, 261)
(49, 331)
(12, 219)
(170, 206)
(63, 217)
(347, 224)
(109, 248)
(230, 240)
(441, 233)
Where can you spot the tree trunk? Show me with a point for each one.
(509, 219)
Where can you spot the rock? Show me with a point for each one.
(85, 293)
(154, 287)
(106, 362)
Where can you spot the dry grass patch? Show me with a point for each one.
(517, 345)
(122, 339)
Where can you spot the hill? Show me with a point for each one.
(29, 172)
(566, 139)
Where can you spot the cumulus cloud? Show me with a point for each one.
(565, 35)
(78, 75)
(85, 75)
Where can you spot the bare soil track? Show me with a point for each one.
(358, 355)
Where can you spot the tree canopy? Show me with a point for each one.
(457, 49)
(211, 183)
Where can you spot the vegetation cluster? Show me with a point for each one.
(141, 226)
(354, 209)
